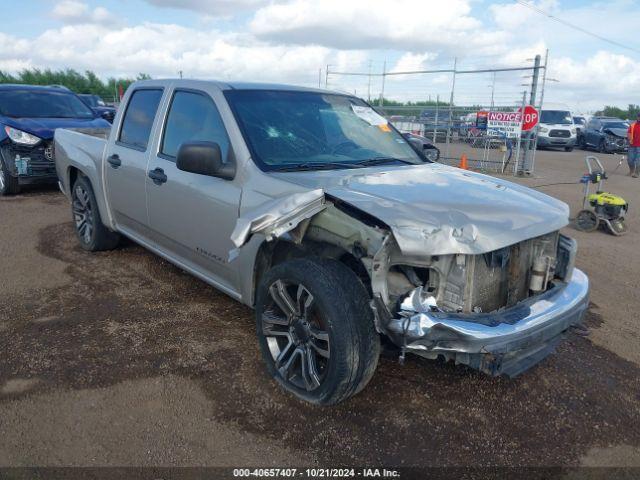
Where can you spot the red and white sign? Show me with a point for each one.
(504, 124)
(511, 124)
(531, 118)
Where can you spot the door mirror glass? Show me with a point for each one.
(204, 158)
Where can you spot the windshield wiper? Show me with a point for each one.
(380, 161)
(313, 166)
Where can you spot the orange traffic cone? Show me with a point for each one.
(463, 162)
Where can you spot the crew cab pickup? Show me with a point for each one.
(308, 206)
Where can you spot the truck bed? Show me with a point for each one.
(82, 149)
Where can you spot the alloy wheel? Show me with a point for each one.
(82, 213)
(296, 336)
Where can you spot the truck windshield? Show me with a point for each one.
(559, 117)
(288, 130)
(42, 104)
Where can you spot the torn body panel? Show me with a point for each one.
(277, 217)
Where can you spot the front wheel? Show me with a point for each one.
(602, 147)
(8, 184)
(316, 330)
(568, 149)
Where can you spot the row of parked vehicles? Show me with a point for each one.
(557, 128)
(29, 116)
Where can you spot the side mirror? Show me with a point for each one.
(204, 158)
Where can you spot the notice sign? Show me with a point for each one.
(504, 124)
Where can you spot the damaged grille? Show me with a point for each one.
(30, 161)
(498, 279)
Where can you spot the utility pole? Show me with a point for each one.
(326, 77)
(453, 89)
(319, 77)
(516, 166)
(180, 73)
(529, 146)
(384, 75)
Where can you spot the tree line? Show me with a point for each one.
(631, 113)
(87, 82)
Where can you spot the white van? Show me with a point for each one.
(556, 129)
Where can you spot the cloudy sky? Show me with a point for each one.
(291, 40)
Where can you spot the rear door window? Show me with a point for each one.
(138, 119)
(193, 117)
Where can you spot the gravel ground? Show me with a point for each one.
(120, 359)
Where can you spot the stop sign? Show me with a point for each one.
(531, 117)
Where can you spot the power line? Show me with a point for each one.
(524, 3)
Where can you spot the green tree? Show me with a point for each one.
(87, 82)
(629, 114)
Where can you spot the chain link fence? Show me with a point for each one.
(461, 134)
(454, 114)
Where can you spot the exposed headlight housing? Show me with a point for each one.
(544, 129)
(20, 137)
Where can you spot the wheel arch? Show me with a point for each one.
(272, 253)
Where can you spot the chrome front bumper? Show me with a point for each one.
(504, 342)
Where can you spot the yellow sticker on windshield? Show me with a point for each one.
(384, 127)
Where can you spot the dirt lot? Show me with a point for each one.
(121, 359)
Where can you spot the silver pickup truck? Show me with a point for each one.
(311, 208)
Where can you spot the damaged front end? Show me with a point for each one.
(499, 312)
(29, 163)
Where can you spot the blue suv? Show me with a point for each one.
(29, 116)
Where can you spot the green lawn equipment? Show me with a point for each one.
(600, 208)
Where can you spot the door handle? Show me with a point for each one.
(158, 176)
(114, 160)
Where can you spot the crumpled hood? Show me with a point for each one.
(436, 210)
(45, 127)
(618, 132)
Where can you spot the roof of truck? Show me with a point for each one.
(232, 85)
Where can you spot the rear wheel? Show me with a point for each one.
(90, 230)
(8, 184)
(316, 330)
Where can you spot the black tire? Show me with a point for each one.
(8, 183)
(334, 304)
(587, 221)
(568, 149)
(92, 234)
(602, 147)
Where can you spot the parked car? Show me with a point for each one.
(28, 117)
(606, 135)
(97, 105)
(556, 129)
(580, 122)
(307, 206)
(436, 125)
(430, 151)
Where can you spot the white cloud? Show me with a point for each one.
(76, 12)
(413, 25)
(211, 7)
(162, 50)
